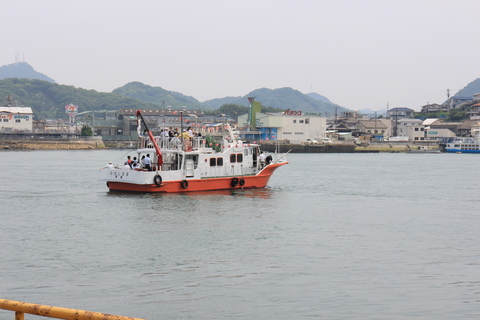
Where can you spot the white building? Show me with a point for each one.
(295, 126)
(16, 119)
(411, 128)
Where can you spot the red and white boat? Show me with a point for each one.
(199, 164)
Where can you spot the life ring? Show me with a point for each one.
(157, 180)
(242, 182)
(234, 182)
(184, 184)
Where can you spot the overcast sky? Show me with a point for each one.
(358, 53)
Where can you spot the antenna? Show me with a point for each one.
(448, 94)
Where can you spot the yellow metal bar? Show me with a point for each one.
(55, 312)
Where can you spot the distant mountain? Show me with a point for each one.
(371, 113)
(22, 70)
(48, 99)
(156, 95)
(317, 96)
(283, 98)
(471, 89)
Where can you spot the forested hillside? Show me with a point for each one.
(157, 95)
(48, 100)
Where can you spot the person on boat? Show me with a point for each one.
(127, 166)
(147, 162)
(130, 161)
(142, 162)
(135, 161)
(164, 133)
(187, 140)
(110, 165)
(136, 166)
(262, 159)
(268, 160)
(170, 133)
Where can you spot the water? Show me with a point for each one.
(334, 236)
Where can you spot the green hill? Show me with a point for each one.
(156, 95)
(48, 100)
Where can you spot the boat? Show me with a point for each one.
(198, 164)
(423, 149)
(464, 144)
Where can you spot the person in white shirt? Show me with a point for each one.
(147, 162)
(110, 165)
(262, 158)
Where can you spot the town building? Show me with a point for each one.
(411, 128)
(400, 113)
(294, 126)
(380, 127)
(16, 119)
(433, 107)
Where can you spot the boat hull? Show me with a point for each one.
(461, 151)
(259, 180)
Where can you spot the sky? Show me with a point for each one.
(357, 53)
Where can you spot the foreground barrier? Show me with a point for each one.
(21, 308)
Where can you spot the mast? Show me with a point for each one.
(150, 135)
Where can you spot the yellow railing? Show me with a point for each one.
(21, 308)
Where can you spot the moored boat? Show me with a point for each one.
(193, 164)
(463, 145)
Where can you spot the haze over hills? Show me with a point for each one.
(48, 99)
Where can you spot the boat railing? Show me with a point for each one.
(173, 143)
(21, 308)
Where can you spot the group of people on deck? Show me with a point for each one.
(174, 133)
(186, 136)
(134, 164)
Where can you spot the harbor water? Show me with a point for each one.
(334, 236)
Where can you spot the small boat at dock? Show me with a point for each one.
(193, 164)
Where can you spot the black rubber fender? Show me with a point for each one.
(234, 182)
(157, 180)
(242, 182)
(184, 184)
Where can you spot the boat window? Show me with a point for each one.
(213, 162)
(233, 158)
(219, 162)
(239, 157)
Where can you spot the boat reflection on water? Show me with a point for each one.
(262, 193)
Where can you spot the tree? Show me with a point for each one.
(86, 130)
(456, 115)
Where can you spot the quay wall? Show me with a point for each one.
(36, 143)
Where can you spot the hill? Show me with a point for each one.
(282, 98)
(470, 89)
(48, 100)
(156, 95)
(22, 70)
(317, 96)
